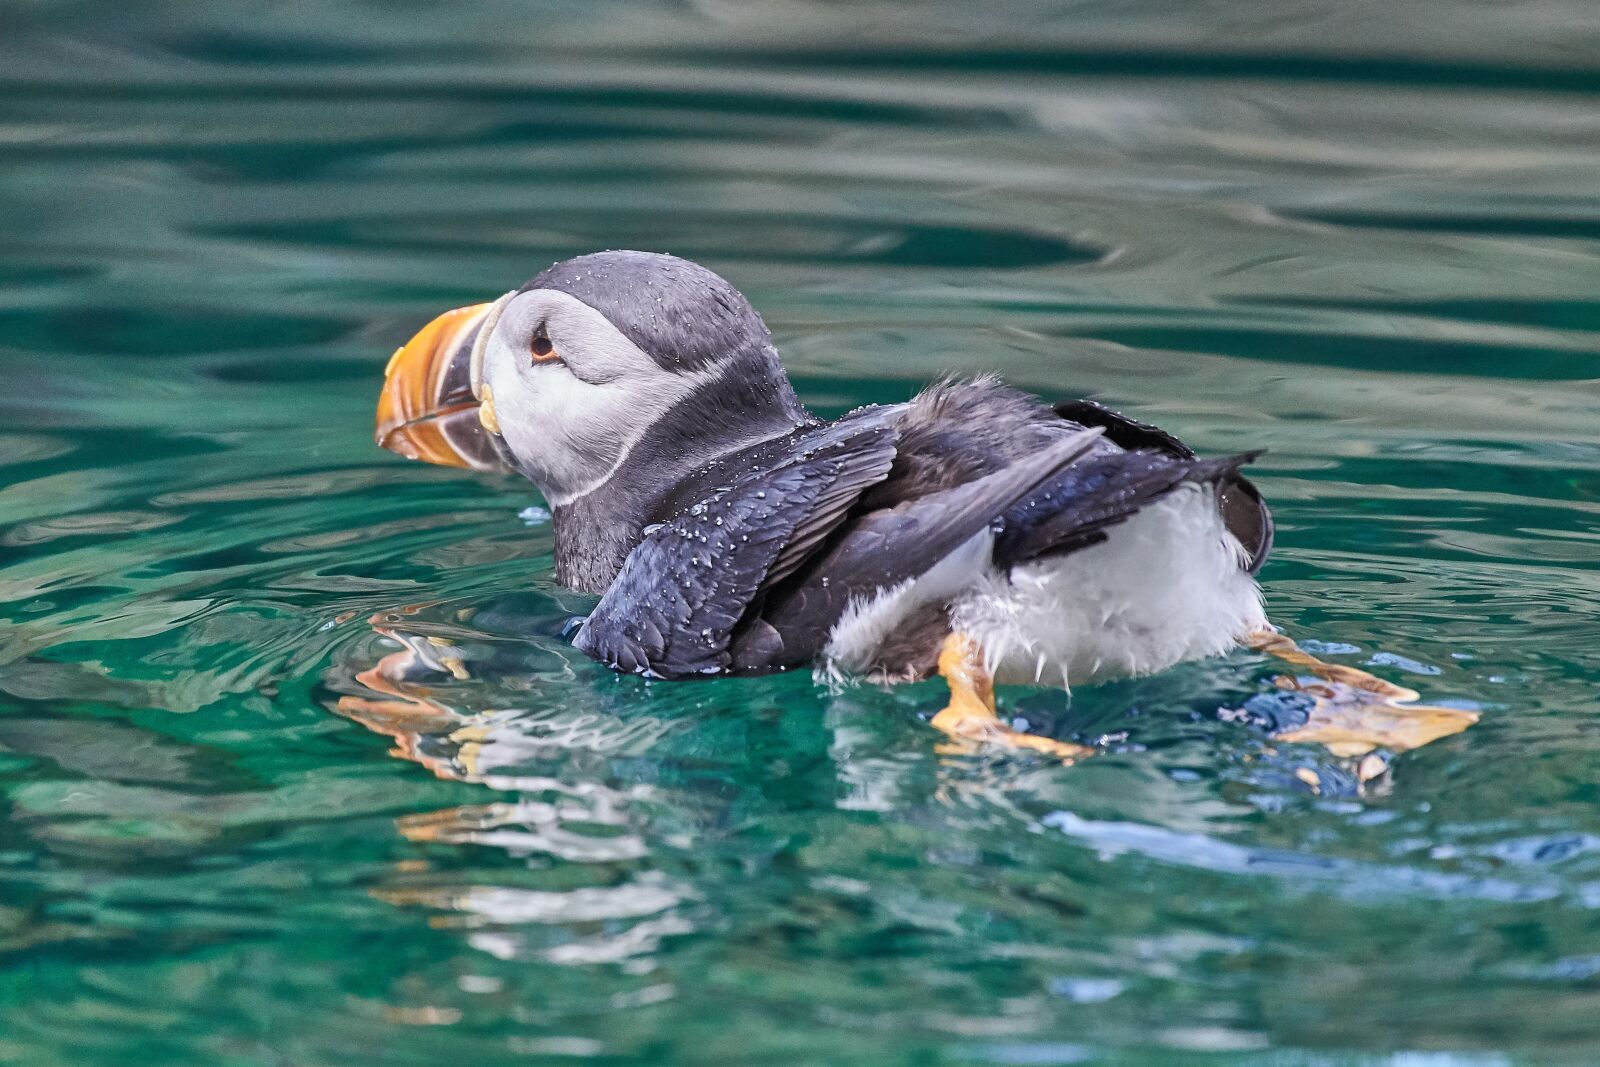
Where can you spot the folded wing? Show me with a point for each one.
(684, 589)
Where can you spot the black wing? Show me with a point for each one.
(1127, 433)
(1075, 508)
(887, 546)
(685, 587)
(1243, 511)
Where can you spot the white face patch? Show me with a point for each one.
(572, 421)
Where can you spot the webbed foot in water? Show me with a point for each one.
(1354, 713)
(970, 716)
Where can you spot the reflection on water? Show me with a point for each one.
(584, 818)
(1362, 237)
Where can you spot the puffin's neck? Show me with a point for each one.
(678, 461)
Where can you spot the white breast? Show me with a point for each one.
(1164, 587)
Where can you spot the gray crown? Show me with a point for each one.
(679, 313)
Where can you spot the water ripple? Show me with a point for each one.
(293, 752)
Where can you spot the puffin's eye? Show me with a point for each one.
(543, 351)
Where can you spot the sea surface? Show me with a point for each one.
(297, 767)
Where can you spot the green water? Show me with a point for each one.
(1360, 235)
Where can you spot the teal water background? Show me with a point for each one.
(1361, 235)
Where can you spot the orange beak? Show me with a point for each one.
(427, 409)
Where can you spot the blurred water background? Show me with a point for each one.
(296, 768)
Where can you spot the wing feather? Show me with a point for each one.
(683, 590)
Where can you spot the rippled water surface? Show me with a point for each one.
(297, 768)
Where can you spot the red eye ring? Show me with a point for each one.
(543, 351)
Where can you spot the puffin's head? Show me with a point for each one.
(563, 378)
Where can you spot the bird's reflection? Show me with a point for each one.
(574, 876)
(401, 696)
(615, 791)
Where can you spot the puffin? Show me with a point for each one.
(973, 532)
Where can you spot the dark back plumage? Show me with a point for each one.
(835, 513)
